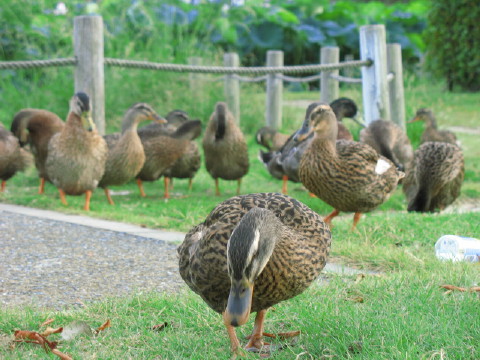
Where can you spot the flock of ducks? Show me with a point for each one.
(252, 251)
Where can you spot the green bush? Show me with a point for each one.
(453, 43)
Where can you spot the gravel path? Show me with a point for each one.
(48, 263)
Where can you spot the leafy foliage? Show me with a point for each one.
(453, 39)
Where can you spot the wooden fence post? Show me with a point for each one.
(89, 71)
(329, 86)
(232, 85)
(194, 78)
(376, 102)
(395, 86)
(273, 110)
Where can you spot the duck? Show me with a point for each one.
(77, 154)
(349, 176)
(13, 157)
(431, 132)
(435, 178)
(125, 150)
(187, 166)
(163, 148)
(270, 138)
(390, 141)
(35, 128)
(225, 148)
(252, 252)
(284, 164)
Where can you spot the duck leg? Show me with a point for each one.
(284, 184)
(190, 184)
(356, 219)
(88, 196)
(3, 186)
(256, 339)
(140, 187)
(329, 218)
(109, 198)
(63, 198)
(239, 184)
(217, 189)
(166, 181)
(234, 343)
(41, 188)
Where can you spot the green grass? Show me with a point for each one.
(403, 314)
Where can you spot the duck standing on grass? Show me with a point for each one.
(435, 177)
(348, 175)
(252, 252)
(226, 154)
(431, 132)
(125, 151)
(13, 158)
(77, 154)
(36, 127)
(284, 163)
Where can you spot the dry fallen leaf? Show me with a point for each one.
(36, 338)
(47, 322)
(105, 325)
(61, 355)
(49, 331)
(453, 287)
(475, 288)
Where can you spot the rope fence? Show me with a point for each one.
(382, 94)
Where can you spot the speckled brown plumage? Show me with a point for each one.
(36, 127)
(390, 141)
(13, 158)
(435, 177)
(77, 154)
(284, 163)
(300, 252)
(163, 149)
(224, 146)
(431, 132)
(342, 173)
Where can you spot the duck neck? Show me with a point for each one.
(130, 122)
(431, 122)
(252, 243)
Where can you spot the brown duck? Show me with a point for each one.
(284, 164)
(163, 148)
(77, 154)
(36, 127)
(252, 252)
(435, 177)
(348, 175)
(431, 132)
(188, 164)
(125, 151)
(390, 141)
(13, 158)
(225, 149)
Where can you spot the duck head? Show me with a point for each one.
(425, 115)
(248, 250)
(80, 105)
(319, 119)
(141, 112)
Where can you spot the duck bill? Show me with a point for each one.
(87, 121)
(239, 303)
(303, 133)
(158, 119)
(414, 119)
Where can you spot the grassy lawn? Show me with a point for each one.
(399, 313)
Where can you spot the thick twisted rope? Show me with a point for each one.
(235, 70)
(37, 63)
(346, 79)
(303, 79)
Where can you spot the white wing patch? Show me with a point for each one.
(254, 247)
(382, 166)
